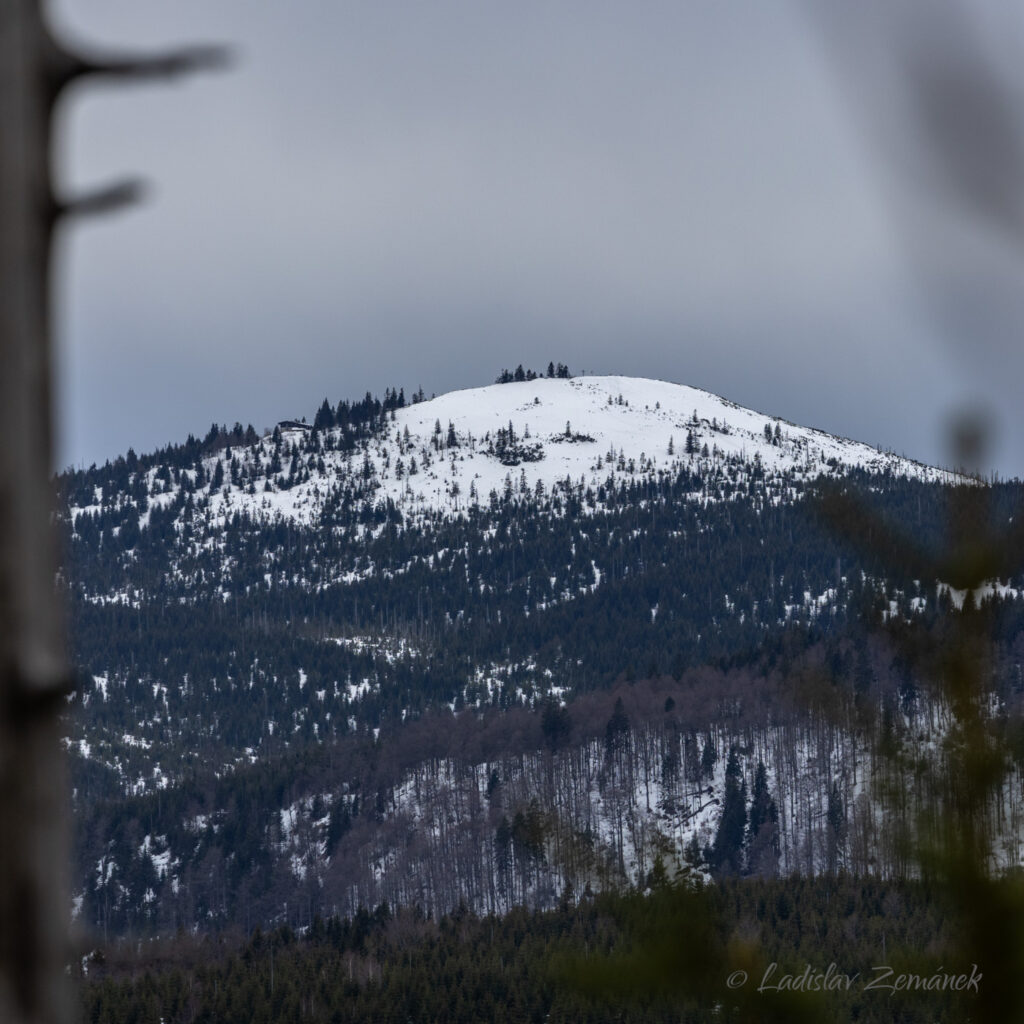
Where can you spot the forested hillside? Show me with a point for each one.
(397, 654)
(565, 965)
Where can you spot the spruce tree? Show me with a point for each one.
(726, 853)
(617, 728)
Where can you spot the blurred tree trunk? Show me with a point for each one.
(34, 674)
(34, 904)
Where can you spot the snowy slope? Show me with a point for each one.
(652, 415)
(583, 429)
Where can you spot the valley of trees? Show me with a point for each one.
(565, 964)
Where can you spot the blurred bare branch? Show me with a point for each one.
(106, 200)
(67, 68)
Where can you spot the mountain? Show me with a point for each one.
(479, 648)
(452, 452)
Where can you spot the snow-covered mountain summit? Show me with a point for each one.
(529, 439)
(591, 426)
(456, 450)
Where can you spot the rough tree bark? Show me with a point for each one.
(34, 672)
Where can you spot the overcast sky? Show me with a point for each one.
(419, 194)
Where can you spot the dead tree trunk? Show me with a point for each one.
(34, 904)
(34, 674)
